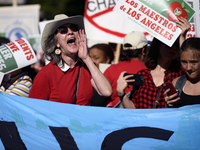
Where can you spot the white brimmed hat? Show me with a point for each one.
(58, 21)
(136, 39)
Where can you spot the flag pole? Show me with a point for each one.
(14, 3)
(117, 53)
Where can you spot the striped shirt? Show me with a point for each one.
(20, 87)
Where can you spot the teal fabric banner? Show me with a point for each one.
(43, 125)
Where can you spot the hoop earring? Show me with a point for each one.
(57, 51)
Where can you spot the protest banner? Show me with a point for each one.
(196, 6)
(35, 42)
(192, 32)
(103, 24)
(19, 21)
(156, 16)
(16, 55)
(39, 124)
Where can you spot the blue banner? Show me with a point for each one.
(33, 124)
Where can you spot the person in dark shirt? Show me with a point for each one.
(189, 87)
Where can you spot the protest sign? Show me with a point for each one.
(15, 55)
(39, 124)
(196, 6)
(42, 25)
(35, 42)
(103, 24)
(19, 21)
(156, 16)
(192, 32)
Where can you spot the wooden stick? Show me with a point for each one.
(14, 2)
(117, 53)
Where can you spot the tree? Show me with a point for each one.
(50, 8)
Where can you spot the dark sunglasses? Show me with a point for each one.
(64, 29)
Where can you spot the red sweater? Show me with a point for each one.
(52, 84)
(112, 74)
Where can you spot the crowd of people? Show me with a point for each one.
(73, 75)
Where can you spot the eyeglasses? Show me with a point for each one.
(64, 29)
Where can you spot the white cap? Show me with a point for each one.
(136, 39)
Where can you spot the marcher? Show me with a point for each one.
(188, 85)
(134, 50)
(100, 53)
(71, 75)
(163, 66)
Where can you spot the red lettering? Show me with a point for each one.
(28, 52)
(165, 23)
(29, 57)
(132, 3)
(127, 1)
(142, 8)
(26, 49)
(23, 45)
(153, 26)
(138, 16)
(147, 12)
(192, 28)
(143, 20)
(13, 46)
(170, 36)
(157, 29)
(156, 17)
(148, 23)
(190, 35)
(161, 31)
(135, 6)
(174, 29)
(122, 8)
(20, 41)
(161, 19)
(128, 12)
(133, 13)
(166, 34)
(170, 26)
(152, 14)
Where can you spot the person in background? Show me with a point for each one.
(188, 85)
(18, 82)
(100, 53)
(163, 66)
(134, 50)
(70, 76)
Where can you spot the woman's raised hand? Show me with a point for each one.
(82, 44)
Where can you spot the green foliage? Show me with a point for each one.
(49, 8)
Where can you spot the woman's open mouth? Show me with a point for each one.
(71, 41)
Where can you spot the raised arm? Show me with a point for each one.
(98, 81)
(184, 25)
